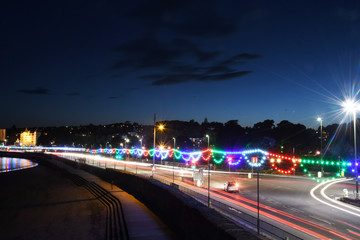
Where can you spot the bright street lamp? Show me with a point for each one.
(161, 127)
(208, 137)
(321, 138)
(351, 106)
(126, 141)
(174, 142)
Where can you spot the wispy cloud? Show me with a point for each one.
(71, 94)
(35, 91)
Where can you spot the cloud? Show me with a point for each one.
(223, 77)
(180, 61)
(169, 79)
(192, 18)
(147, 53)
(114, 97)
(219, 70)
(185, 57)
(73, 94)
(207, 24)
(240, 59)
(35, 91)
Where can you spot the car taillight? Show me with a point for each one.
(236, 185)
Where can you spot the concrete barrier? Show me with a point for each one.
(188, 218)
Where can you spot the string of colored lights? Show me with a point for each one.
(253, 157)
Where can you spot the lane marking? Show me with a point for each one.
(321, 220)
(348, 224)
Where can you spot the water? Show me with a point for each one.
(13, 164)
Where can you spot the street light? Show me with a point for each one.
(161, 149)
(321, 137)
(352, 106)
(174, 160)
(209, 202)
(161, 127)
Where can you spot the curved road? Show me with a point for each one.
(297, 205)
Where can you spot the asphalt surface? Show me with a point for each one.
(285, 202)
(43, 203)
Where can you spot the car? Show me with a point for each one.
(231, 187)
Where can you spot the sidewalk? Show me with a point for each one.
(140, 221)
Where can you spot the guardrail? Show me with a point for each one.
(245, 220)
(239, 217)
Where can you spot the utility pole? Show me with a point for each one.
(258, 202)
(209, 202)
(153, 168)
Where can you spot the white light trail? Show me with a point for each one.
(329, 204)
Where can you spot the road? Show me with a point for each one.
(298, 205)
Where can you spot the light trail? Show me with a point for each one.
(288, 215)
(263, 213)
(338, 202)
(329, 204)
(293, 225)
(162, 168)
(352, 232)
(348, 224)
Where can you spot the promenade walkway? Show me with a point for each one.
(141, 222)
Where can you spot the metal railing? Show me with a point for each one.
(239, 217)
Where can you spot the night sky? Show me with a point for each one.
(101, 62)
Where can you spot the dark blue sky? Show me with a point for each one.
(100, 62)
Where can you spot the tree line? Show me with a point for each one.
(284, 137)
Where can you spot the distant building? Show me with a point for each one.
(2, 135)
(196, 142)
(28, 138)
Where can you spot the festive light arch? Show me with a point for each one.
(253, 157)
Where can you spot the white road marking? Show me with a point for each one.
(326, 203)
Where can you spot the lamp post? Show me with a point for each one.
(209, 202)
(161, 149)
(174, 160)
(258, 200)
(351, 106)
(321, 137)
(153, 167)
(161, 127)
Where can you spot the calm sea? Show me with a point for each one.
(13, 164)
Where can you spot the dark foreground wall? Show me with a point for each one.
(188, 218)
